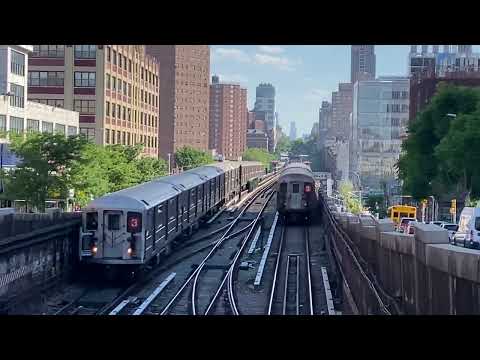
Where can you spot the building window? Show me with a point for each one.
(72, 131)
(113, 110)
(3, 123)
(84, 106)
(52, 51)
(124, 115)
(47, 127)
(124, 88)
(107, 136)
(33, 125)
(124, 139)
(17, 99)
(142, 73)
(124, 63)
(129, 111)
(89, 133)
(108, 81)
(16, 124)
(60, 129)
(84, 79)
(52, 102)
(109, 54)
(17, 63)
(114, 57)
(129, 66)
(119, 111)
(107, 108)
(114, 83)
(119, 137)
(120, 60)
(85, 51)
(113, 136)
(45, 78)
(129, 90)
(119, 86)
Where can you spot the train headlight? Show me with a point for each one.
(305, 204)
(129, 251)
(94, 249)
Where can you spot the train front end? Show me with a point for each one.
(111, 236)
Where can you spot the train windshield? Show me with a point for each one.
(114, 222)
(92, 221)
(283, 187)
(295, 188)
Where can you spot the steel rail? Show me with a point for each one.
(309, 274)
(275, 273)
(215, 247)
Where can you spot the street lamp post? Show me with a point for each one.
(169, 163)
(359, 185)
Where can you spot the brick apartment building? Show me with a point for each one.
(184, 96)
(228, 119)
(114, 88)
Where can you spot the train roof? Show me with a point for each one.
(296, 169)
(139, 197)
(185, 180)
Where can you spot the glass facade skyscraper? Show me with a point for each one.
(380, 111)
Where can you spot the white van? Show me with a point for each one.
(468, 228)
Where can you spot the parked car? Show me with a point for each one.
(469, 228)
(451, 228)
(402, 226)
(411, 227)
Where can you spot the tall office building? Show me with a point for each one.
(265, 109)
(184, 96)
(293, 131)
(380, 112)
(228, 119)
(114, 88)
(362, 63)
(341, 109)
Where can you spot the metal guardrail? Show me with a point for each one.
(365, 295)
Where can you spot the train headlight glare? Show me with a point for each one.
(94, 249)
(129, 251)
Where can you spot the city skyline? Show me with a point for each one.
(303, 75)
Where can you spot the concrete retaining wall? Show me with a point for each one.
(423, 272)
(30, 262)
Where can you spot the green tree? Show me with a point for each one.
(283, 145)
(189, 158)
(424, 169)
(150, 168)
(261, 155)
(46, 166)
(112, 168)
(376, 203)
(352, 202)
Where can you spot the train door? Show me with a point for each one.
(150, 233)
(200, 199)
(193, 204)
(160, 229)
(113, 229)
(172, 216)
(295, 197)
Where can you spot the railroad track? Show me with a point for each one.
(291, 292)
(219, 252)
(151, 302)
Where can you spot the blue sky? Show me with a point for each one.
(303, 75)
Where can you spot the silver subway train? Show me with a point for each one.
(135, 225)
(296, 194)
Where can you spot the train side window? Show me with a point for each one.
(283, 187)
(395, 214)
(295, 188)
(92, 221)
(114, 222)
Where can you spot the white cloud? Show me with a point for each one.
(318, 95)
(271, 49)
(232, 54)
(280, 62)
(234, 78)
